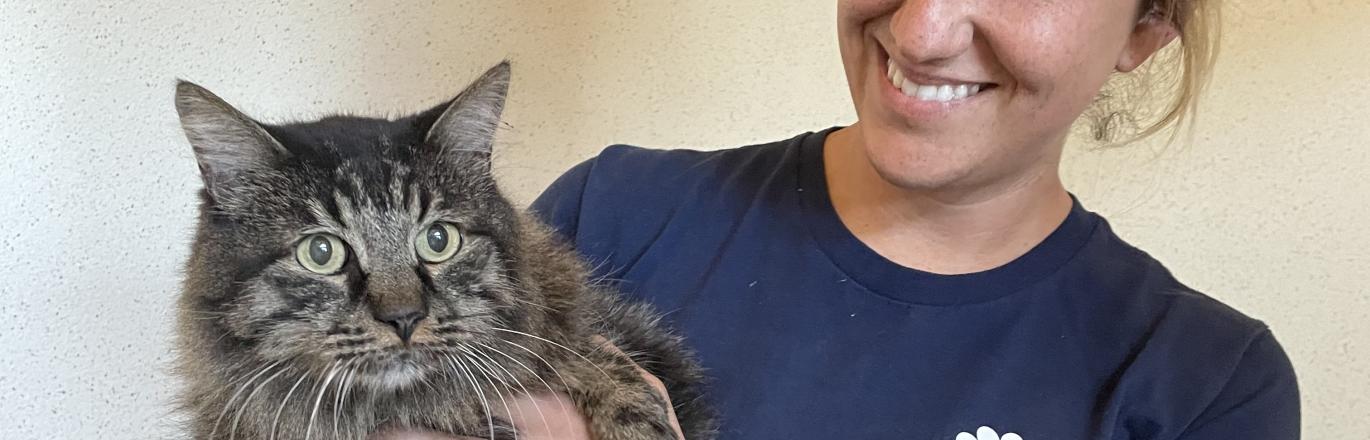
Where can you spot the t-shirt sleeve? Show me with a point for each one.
(559, 205)
(1259, 402)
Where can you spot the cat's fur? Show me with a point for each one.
(269, 349)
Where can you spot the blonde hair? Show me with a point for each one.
(1127, 109)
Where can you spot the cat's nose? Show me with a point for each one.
(404, 321)
(396, 298)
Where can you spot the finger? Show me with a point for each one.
(540, 417)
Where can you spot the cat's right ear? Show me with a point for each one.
(468, 124)
(227, 143)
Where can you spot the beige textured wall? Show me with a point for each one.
(1263, 210)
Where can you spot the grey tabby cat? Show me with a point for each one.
(355, 274)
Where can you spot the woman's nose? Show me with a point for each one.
(929, 31)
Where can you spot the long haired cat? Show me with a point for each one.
(354, 274)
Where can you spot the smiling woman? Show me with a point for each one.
(923, 272)
(1038, 65)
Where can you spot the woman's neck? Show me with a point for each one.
(952, 230)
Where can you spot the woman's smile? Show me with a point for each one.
(924, 95)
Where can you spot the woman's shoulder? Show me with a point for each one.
(628, 180)
(1186, 352)
(619, 200)
(645, 167)
(1134, 292)
(1139, 281)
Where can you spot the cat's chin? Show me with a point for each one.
(396, 376)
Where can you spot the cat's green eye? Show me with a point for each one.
(321, 253)
(439, 242)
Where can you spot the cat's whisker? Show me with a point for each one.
(451, 371)
(303, 375)
(347, 388)
(533, 304)
(530, 370)
(483, 366)
(426, 381)
(539, 377)
(343, 382)
(323, 388)
(563, 347)
(504, 284)
(495, 389)
(233, 430)
(489, 419)
(516, 380)
(240, 389)
(564, 383)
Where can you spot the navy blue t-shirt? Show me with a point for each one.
(809, 334)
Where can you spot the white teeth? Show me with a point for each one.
(938, 93)
(945, 93)
(909, 88)
(927, 93)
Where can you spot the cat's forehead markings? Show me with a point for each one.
(354, 178)
(345, 208)
(322, 216)
(434, 208)
(401, 173)
(375, 232)
(415, 206)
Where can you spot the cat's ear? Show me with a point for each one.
(469, 121)
(227, 143)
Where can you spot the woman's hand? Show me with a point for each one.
(536, 417)
(547, 416)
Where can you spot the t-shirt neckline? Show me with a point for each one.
(889, 279)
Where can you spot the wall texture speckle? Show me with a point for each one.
(1264, 209)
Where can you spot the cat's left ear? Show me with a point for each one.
(228, 144)
(468, 124)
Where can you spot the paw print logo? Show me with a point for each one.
(987, 433)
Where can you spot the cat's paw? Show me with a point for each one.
(644, 418)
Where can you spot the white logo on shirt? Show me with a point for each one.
(987, 433)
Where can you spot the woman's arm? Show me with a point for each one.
(1260, 400)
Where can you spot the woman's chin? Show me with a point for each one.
(921, 175)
